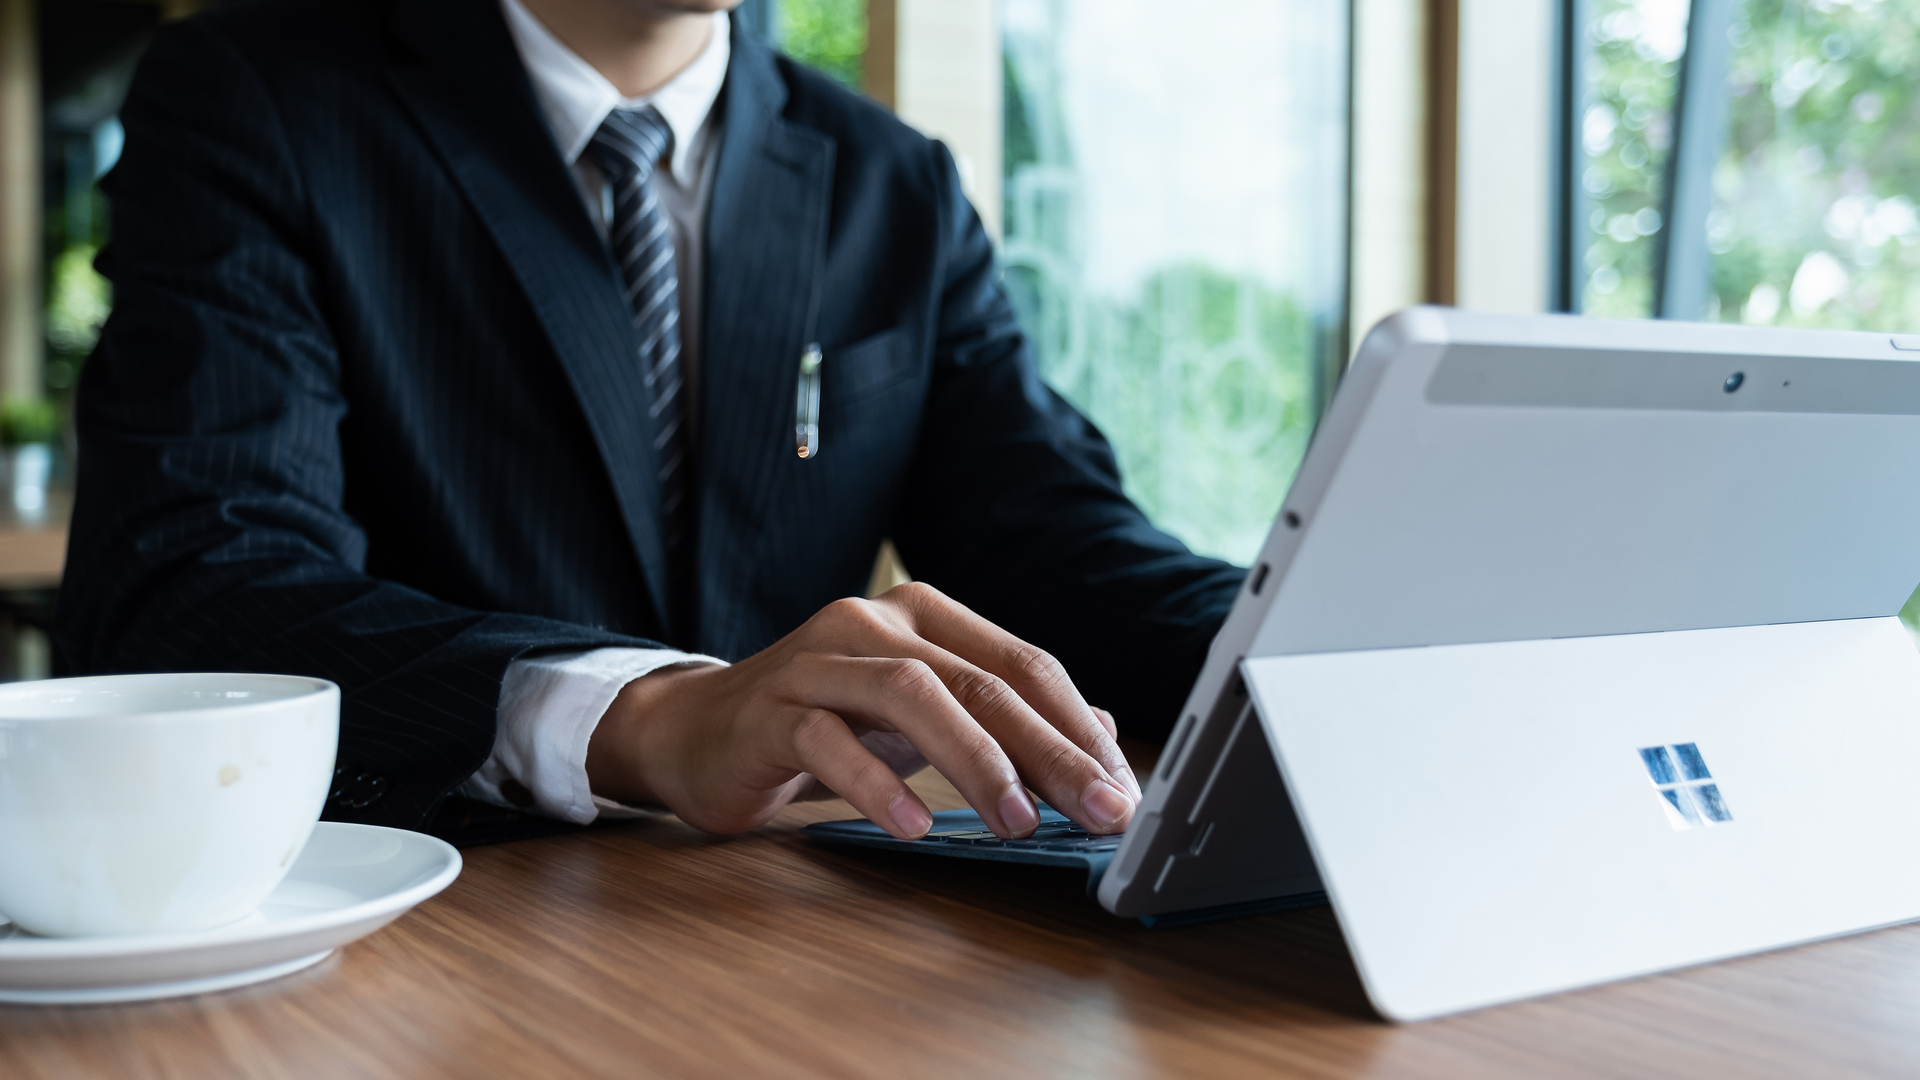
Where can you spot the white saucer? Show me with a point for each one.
(349, 881)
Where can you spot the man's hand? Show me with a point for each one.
(726, 748)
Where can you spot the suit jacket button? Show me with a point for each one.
(356, 789)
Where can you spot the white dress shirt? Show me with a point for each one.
(550, 705)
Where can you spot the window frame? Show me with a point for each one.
(1682, 265)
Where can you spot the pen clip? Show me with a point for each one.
(806, 409)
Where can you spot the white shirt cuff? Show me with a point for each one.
(549, 708)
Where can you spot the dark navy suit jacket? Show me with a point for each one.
(367, 407)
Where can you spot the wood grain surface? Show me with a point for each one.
(31, 558)
(34, 551)
(649, 950)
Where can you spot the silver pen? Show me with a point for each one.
(806, 409)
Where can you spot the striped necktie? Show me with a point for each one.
(627, 148)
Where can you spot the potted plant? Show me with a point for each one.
(28, 427)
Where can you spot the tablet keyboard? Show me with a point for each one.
(961, 833)
(1057, 842)
(1062, 836)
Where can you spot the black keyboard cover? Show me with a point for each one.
(961, 834)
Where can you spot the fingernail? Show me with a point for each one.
(1017, 813)
(1105, 804)
(1129, 781)
(909, 816)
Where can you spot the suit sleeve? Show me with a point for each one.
(208, 531)
(1015, 507)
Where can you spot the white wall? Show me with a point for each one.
(947, 84)
(1504, 155)
(1389, 159)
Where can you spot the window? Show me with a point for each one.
(1627, 78)
(1170, 209)
(1799, 127)
(1175, 241)
(830, 35)
(1813, 220)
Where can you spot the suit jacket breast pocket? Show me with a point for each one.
(854, 374)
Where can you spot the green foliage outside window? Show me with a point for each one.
(830, 35)
(1814, 220)
(78, 300)
(28, 420)
(1203, 382)
(1626, 133)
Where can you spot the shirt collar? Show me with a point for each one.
(575, 98)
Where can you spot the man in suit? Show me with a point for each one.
(455, 358)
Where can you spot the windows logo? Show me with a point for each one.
(1687, 791)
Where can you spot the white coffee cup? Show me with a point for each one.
(142, 804)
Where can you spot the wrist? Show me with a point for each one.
(628, 747)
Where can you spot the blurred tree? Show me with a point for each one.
(830, 35)
(1814, 222)
(1625, 136)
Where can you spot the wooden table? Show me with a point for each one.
(647, 949)
(33, 550)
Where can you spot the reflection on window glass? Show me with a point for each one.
(1174, 238)
(1632, 66)
(1814, 218)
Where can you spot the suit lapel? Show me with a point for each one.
(467, 89)
(766, 252)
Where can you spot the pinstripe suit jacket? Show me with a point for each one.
(367, 406)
